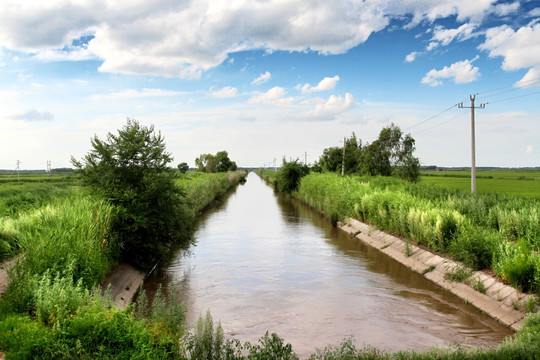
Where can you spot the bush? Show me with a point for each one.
(517, 265)
(289, 176)
(475, 247)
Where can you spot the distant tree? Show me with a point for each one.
(353, 154)
(183, 167)
(206, 163)
(331, 159)
(130, 171)
(223, 161)
(391, 154)
(215, 163)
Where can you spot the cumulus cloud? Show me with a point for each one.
(184, 38)
(520, 49)
(411, 57)
(332, 107)
(132, 93)
(530, 79)
(461, 71)
(442, 36)
(328, 83)
(274, 96)
(505, 9)
(34, 115)
(226, 92)
(261, 79)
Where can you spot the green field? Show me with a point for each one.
(513, 182)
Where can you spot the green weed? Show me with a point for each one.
(458, 274)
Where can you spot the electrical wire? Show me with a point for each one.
(444, 122)
(515, 97)
(431, 118)
(516, 86)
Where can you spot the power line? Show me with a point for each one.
(515, 97)
(431, 118)
(444, 122)
(518, 85)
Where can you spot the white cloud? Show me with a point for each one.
(529, 149)
(411, 57)
(461, 71)
(261, 79)
(328, 83)
(520, 49)
(274, 96)
(505, 9)
(34, 115)
(329, 109)
(226, 92)
(184, 38)
(443, 37)
(530, 79)
(132, 93)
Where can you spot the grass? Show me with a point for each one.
(513, 182)
(458, 274)
(496, 231)
(52, 307)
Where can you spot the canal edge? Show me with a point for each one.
(498, 301)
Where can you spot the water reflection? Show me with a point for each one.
(266, 262)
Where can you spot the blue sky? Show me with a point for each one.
(268, 79)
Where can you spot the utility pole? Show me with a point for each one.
(343, 161)
(49, 168)
(473, 150)
(18, 168)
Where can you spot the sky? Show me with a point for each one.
(270, 79)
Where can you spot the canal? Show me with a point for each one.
(264, 262)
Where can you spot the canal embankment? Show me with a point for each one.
(496, 299)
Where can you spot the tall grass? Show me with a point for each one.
(494, 231)
(202, 189)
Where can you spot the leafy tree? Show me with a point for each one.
(183, 167)
(206, 163)
(130, 171)
(215, 163)
(223, 161)
(391, 154)
(331, 159)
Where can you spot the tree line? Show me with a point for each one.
(390, 155)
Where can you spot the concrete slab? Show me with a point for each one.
(123, 283)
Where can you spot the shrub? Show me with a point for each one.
(289, 176)
(517, 265)
(475, 247)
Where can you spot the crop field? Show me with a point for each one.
(512, 182)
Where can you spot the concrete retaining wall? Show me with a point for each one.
(500, 301)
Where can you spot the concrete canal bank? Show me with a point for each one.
(500, 301)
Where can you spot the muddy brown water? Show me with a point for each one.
(264, 262)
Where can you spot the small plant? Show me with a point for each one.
(408, 248)
(458, 274)
(479, 286)
(530, 305)
(428, 269)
